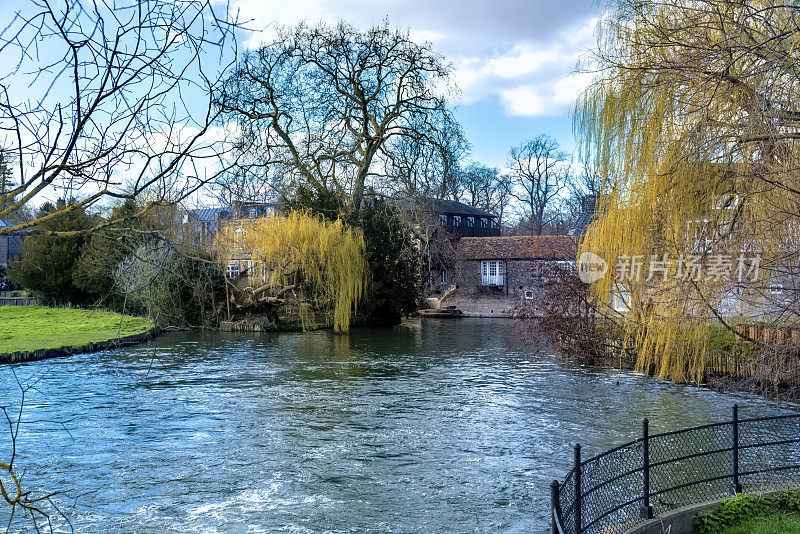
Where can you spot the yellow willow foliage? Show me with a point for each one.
(325, 260)
(693, 120)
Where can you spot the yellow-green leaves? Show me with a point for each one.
(323, 260)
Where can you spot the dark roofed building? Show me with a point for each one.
(205, 222)
(457, 218)
(537, 247)
(587, 216)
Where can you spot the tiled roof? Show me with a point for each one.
(458, 208)
(445, 207)
(538, 247)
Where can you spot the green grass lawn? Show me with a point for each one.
(777, 523)
(27, 328)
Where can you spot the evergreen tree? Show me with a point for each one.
(45, 263)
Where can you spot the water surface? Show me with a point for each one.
(430, 426)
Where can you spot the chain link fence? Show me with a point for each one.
(620, 488)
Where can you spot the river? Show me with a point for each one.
(430, 426)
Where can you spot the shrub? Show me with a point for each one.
(45, 263)
(172, 286)
(743, 507)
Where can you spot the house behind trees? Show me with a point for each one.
(495, 275)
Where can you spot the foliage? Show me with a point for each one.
(744, 507)
(393, 264)
(28, 328)
(392, 259)
(172, 285)
(692, 121)
(326, 104)
(45, 263)
(104, 249)
(322, 261)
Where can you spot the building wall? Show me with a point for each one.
(520, 276)
(4, 251)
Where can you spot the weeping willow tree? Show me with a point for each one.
(693, 120)
(320, 263)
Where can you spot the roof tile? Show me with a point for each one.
(539, 247)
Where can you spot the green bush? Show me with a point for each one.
(45, 263)
(391, 255)
(742, 507)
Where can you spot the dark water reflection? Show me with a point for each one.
(451, 426)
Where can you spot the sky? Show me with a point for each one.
(514, 61)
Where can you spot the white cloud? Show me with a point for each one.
(530, 79)
(523, 100)
(522, 53)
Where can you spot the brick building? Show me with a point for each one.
(494, 274)
(9, 246)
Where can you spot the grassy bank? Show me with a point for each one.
(772, 524)
(753, 514)
(28, 328)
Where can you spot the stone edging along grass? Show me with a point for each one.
(42, 354)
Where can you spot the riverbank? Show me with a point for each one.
(37, 332)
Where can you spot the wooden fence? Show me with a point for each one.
(772, 335)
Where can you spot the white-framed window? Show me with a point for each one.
(443, 277)
(233, 270)
(481, 222)
(253, 213)
(443, 220)
(456, 220)
(470, 221)
(528, 294)
(492, 273)
(566, 266)
(776, 289)
(620, 298)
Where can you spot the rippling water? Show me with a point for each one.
(431, 426)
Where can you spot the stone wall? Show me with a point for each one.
(520, 276)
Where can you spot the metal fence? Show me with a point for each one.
(17, 301)
(620, 488)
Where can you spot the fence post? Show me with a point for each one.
(647, 510)
(577, 488)
(555, 505)
(736, 487)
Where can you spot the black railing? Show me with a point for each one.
(627, 485)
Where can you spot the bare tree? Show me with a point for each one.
(326, 104)
(539, 172)
(485, 188)
(427, 164)
(101, 102)
(104, 101)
